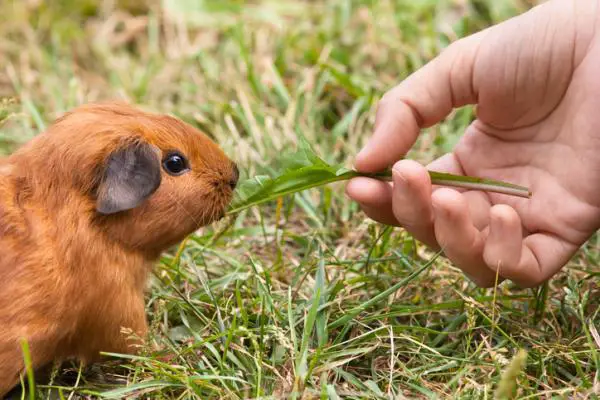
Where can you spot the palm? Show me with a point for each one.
(546, 144)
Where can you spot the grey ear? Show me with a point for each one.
(131, 175)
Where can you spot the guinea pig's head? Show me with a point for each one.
(148, 180)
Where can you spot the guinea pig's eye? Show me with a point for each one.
(175, 164)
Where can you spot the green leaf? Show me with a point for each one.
(304, 170)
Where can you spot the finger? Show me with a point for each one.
(446, 163)
(412, 200)
(479, 202)
(505, 239)
(527, 262)
(374, 198)
(460, 240)
(423, 99)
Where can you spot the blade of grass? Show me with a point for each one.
(120, 393)
(383, 295)
(29, 369)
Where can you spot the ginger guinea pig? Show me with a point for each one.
(86, 208)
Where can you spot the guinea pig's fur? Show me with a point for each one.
(86, 208)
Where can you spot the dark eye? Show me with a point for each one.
(175, 164)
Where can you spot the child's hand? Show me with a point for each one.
(536, 82)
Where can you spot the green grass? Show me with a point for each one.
(305, 297)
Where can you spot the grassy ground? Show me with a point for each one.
(305, 298)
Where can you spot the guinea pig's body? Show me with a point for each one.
(85, 209)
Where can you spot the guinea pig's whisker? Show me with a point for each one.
(176, 201)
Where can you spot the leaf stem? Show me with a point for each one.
(466, 182)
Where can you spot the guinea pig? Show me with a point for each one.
(86, 208)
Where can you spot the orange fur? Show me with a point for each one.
(71, 278)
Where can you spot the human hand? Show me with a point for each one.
(536, 82)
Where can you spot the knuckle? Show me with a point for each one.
(411, 218)
(388, 97)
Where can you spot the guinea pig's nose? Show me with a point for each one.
(235, 176)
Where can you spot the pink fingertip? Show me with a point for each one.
(368, 191)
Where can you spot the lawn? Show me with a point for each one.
(303, 297)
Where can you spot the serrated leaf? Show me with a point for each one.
(304, 170)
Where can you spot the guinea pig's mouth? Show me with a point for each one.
(220, 215)
(221, 196)
(220, 212)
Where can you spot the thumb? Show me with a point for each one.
(422, 100)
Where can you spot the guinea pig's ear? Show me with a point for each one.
(130, 176)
